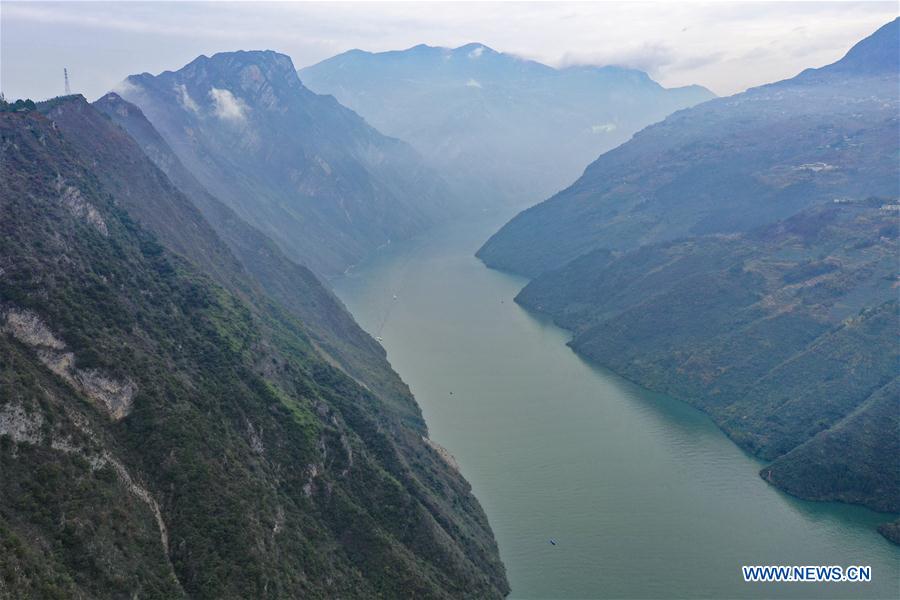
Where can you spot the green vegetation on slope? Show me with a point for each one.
(293, 286)
(168, 431)
(786, 336)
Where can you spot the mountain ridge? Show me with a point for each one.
(678, 177)
(291, 284)
(876, 53)
(741, 256)
(227, 457)
(308, 172)
(504, 130)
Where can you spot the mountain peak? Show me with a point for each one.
(877, 53)
(224, 64)
(474, 50)
(417, 49)
(253, 56)
(113, 103)
(236, 62)
(248, 128)
(60, 104)
(227, 84)
(74, 99)
(112, 99)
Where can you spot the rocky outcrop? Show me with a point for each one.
(113, 396)
(19, 424)
(70, 197)
(26, 427)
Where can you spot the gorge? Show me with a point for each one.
(643, 494)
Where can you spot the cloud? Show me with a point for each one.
(473, 83)
(699, 61)
(678, 43)
(135, 19)
(227, 107)
(126, 88)
(650, 57)
(185, 99)
(603, 128)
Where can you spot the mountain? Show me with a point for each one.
(169, 429)
(293, 286)
(742, 256)
(786, 336)
(727, 165)
(302, 169)
(503, 129)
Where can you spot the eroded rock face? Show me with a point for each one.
(20, 425)
(72, 199)
(26, 327)
(115, 397)
(26, 427)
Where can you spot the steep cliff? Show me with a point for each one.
(169, 429)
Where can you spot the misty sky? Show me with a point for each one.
(726, 46)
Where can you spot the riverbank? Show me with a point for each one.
(644, 495)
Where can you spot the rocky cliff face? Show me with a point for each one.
(169, 429)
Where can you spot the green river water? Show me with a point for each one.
(645, 497)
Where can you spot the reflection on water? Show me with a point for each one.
(644, 496)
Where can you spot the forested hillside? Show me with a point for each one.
(293, 286)
(785, 335)
(742, 256)
(168, 429)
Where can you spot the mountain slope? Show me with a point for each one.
(786, 336)
(307, 172)
(742, 256)
(727, 165)
(168, 435)
(293, 286)
(504, 129)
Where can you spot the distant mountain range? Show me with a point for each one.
(304, 170)
(501, 128)
(186, 412)
(726, 165)
(742, 255)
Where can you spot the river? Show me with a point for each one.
(644, 496)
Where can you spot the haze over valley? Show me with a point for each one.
(501, 128)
